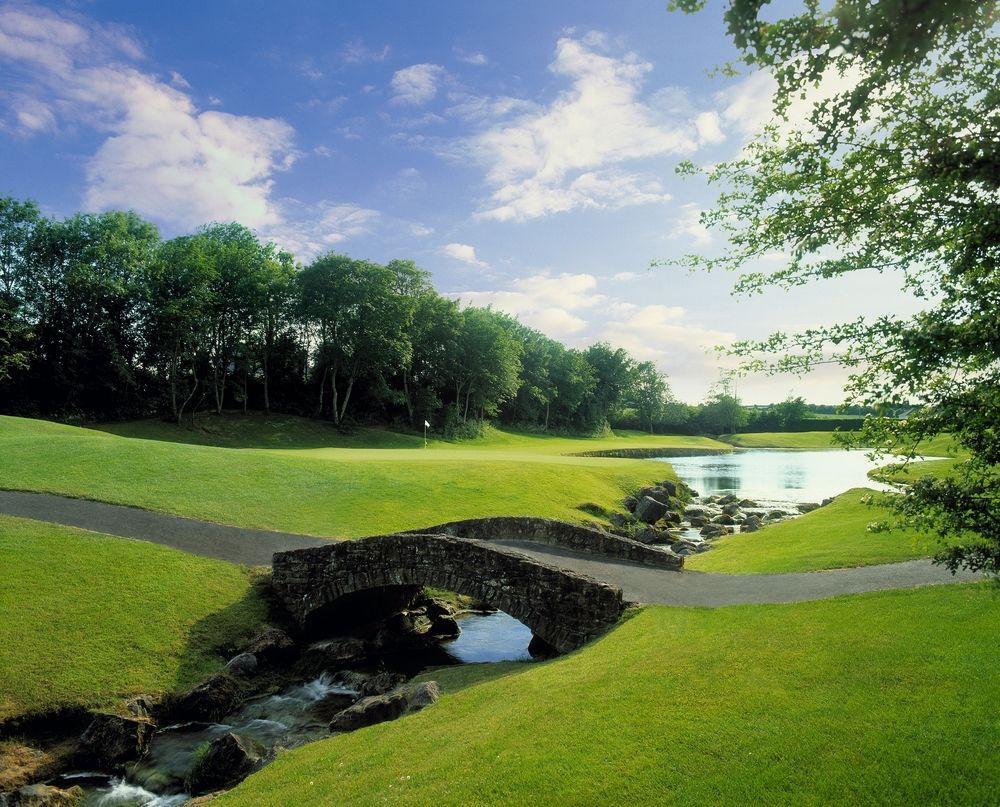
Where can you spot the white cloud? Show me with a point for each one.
(357, 52)
(543, 301)
(570, 154)
(623, 276)
(484, 108)
(709, 128)
(162, 156)
(464, 253)
(663, 334)
(308, 231)
(420, 230)
(688, 225)
(179, 81)
(417, 84)
(471, 56)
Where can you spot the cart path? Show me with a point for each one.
(645, 584)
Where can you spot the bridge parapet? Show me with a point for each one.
(563, 608)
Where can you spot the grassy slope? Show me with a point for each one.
(886, 698)
(88, 618)
(322, 486)
(833, 537)
(803, 440)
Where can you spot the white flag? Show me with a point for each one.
(427, 425)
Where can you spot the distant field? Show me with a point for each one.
(89, 619)
(832, 537)
(810, 440)
(872, 699)
(320, 482)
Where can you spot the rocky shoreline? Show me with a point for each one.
(674, 516)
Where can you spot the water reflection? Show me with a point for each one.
(490, 637)
(796, 476)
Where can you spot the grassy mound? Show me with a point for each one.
(798, 440)
(327, 488)
(885, 698)
(833, 537)
(88, 619)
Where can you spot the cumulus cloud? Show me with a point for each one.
(544, 301)
(571, 153)
(417, 84)
(665, 335)
(357, 52)
(162, 155)
(464, 253)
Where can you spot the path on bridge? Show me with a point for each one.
(638, 583)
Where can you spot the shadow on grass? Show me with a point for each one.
(220, 635)
(257, 430)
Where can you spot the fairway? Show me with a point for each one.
(835, 536)
(331, 489)
(876, 698)
(90, 619)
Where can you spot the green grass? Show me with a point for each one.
(324, 487)
(89, 619)
(799, 440)
(887, 698)
(832, 537)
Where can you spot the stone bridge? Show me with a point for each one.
(347, 579)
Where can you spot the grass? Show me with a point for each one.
(887, 698)
(89, 619)
(327, 484)
(799, 440)
(832, 537)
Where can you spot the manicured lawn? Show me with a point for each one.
(833, 537)
(332, 490)
(803, 440)
(88, 619)
(888, 698)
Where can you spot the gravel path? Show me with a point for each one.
(639, 583)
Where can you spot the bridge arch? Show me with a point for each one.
(563, 608)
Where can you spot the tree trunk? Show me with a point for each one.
(322, 388)
(546, 416)
(334, 404)
(194, 389)
(406, 396)
(347, 397)
(267, 392)
(468, 394)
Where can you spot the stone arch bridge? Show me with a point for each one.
(563, 608)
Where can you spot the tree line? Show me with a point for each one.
(101, 319)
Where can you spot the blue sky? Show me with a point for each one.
(523, 152)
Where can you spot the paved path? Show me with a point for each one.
(639, 583)
(235, 544)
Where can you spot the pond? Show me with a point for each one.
(778, 475)
(490, 637)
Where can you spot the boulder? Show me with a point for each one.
(218, 696)
(698, 521)
(695, 511)
(228, 760)
(42, 796)
(648, 535)
(111, 740)
(380, 683)
(752, 524)
(244, 664)
(724, 518)
(775, 515)
(729, 498)
(445, 627)
(271, 645)
(630, 502)
(649, 510)
(748, 503)
(388, 706)
(731, 509)
(669, 486)
(620, 520)
(333, 653)
(715, 530)
(807, 507)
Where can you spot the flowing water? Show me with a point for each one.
(296, 715)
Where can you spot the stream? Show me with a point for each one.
(296, 715)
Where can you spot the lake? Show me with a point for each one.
(777, 474)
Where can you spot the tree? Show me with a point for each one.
(897, 174)
(490, 364)
(722, 413)
(361, 321)
(649, 393)
(790, 412)
(614, 371)
(18, 223)
(275, 310)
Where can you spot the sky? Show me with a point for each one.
(523, 152)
